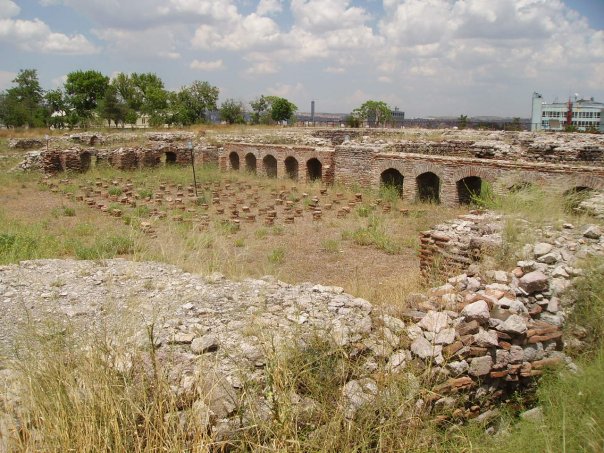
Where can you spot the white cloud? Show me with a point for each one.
(169, 55)
(262, 67)
(36, 36)
(325, 15)
(8, 9)
(249, 31)
(207, 65)
(268, 7)
(287, 90)
(154, 42)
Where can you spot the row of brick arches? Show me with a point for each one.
(428, 186)
(269, 165)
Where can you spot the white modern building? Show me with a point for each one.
(587, 114)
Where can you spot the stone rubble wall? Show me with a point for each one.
(495, 332)
(26, 143)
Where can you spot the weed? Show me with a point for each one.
(114, 191)
(375, 235)
(277, 255)
(364, 210)
(145, 193)
(68, 211)
(261, 233)
(331, 245)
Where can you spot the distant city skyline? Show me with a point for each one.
(427, 57)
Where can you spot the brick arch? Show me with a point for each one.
(465, 172)
(570, 182)
(426, 167)
(251, 162)
(234, 160)
(396, 164)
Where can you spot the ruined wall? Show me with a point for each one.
(302, 155)
(76, 160)
(452, 247)
(365, 164)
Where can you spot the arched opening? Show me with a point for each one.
(85, 161)
(468, 189)
(270, 166)
(234, 160)
(392, 179)
(291, 168)
(314, 169)
(250, 163)
(574, 196)
(428, 187)
(170, 158)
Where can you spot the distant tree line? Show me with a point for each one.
(90, 98)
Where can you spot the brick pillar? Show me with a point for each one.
(409, 188)
(448, 193)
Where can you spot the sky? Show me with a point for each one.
(427, 57)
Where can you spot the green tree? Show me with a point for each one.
(282, 109)
(191, 103)
(84, 90)
(149, 95)
(131, 117)
(55, 104)
(261, 110)
(376, 113)
(232, 112)
(112, 107)
(352, 121)
(22, 104)
(462, 121)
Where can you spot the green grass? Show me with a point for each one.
(277, 255)
(331, 245)
(374, 235)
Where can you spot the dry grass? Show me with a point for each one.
(383, 270)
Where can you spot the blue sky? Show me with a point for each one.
(428, 57)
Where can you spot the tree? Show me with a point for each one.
(191, 103)
(112, 108)
(149, 95)
(352, 121)
(376, 113)
(462, 121)
(282, 109)
(55, 104)
(205, 97)
(261, 108)
(232, 112)
(84, 90)
(22, 105)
